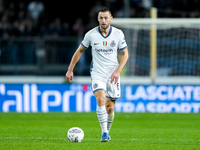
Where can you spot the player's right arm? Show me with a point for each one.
(74, 60)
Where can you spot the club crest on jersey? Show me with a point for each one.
(112, 44)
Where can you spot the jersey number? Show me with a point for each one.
(117, 86)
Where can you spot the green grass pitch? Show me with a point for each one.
(134, 131)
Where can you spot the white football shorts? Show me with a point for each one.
(112, 90)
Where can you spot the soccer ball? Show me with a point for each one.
(75, 134)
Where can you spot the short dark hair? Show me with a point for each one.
(105, 9)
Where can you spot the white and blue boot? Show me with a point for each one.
(105, 137)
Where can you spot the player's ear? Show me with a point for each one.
(111, 18)
(98, 16)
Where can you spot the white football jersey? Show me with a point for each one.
(104, 50)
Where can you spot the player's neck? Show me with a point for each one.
(105, 32)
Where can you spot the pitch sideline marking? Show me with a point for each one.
(31, 138)
(39, 138)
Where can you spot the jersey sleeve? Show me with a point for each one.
(122, 42)
(86, 41)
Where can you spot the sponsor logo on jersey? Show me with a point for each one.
(96, 43)
(104, 50)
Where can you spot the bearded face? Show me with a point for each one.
(104, 19)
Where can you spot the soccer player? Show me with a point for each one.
(105, 41)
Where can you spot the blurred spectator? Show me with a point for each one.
(50, 31)
(95, 9)
(78, 28)
(1, 9)
(5, 29)
(35, 11)
(159, 4)
(65, 30)
(29, 45)
(29, 30)
(21, 15)
(147, 4)
(13, 11)
(22, 6)
(58, 25)
(15, 30)
(132, 12)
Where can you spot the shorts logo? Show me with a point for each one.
(95, 85)
(112, 44)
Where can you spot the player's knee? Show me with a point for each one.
(109, 109)
(100, 101)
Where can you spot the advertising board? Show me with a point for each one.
(80, 98)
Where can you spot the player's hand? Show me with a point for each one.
(115, 77)
(69, 76)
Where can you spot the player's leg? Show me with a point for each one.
(102, 114)
(101, 109)
(110, 105)
(99, 88)
(112, 94)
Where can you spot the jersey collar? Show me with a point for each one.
(108, 33)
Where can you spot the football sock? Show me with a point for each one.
(102, 116)
(110, 119)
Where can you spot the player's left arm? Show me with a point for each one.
(116, 74)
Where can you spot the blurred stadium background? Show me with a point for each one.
(38, 39)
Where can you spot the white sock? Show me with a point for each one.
(102, 116)
(110, 119)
